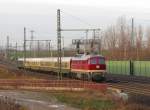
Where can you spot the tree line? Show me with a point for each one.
(122, 42)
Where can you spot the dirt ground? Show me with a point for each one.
(35, 100)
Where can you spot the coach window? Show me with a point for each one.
(93, 61)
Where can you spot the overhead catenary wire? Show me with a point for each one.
(77, 18)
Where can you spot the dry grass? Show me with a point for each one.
(9, 104)
(13, 73)
(86, 100)
(93, 100)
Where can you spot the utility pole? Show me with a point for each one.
(132, 34)
(86, 46)
(78, 47)
(132, 49)
(7, 48)
(59, 44)
(31, 42)
(16, 53)
(63, 52)
(99, 38)
(24, 46)
(38, 48)
(93, 42)
(49, 48)
(100, 45)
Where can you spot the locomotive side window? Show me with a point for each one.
(93, 61)
(101, 61)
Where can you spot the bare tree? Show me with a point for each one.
(110, 40)
(139, 38)
(148, 40)
(123, 37)
(148, 37)
(117, 41)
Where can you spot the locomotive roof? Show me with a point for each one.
(85, 57)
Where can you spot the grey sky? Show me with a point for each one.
(40, 15)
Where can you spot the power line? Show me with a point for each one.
(77, 18)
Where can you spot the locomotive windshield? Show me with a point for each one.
(97, 61)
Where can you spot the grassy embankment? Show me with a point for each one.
(12, 73)
(94, 100)
(87, 101)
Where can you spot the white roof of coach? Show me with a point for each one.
(54, 59)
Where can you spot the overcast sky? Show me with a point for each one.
(40, 16)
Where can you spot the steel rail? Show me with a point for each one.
(132, 88)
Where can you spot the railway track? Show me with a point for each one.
(130, 84)
(127, 78)
(132, 88)
(51, 84)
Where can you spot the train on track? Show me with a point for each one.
(82, 66)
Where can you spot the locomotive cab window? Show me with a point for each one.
(101, 61)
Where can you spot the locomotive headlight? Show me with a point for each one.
(97, 66)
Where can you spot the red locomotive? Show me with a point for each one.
(89, 66)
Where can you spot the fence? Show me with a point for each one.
(140, 68)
